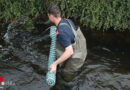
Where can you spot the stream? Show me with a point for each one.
(24, 58)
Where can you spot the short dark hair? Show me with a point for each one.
(54, 10)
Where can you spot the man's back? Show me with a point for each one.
(65, 37)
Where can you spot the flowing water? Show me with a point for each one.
(23, 64)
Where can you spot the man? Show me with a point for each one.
(71, 44)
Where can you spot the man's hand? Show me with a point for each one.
(53, 67)
(67, 53)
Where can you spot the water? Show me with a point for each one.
(24, 64)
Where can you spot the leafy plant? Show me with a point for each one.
(93, 14)
(10, 9)
(98, 14)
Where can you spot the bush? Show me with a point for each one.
(93, 14)
(98, 14)
(16, 8)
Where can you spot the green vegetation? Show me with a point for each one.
(24, 23)
(10, 9)
(98, 14)
(0, 57)
(93, 14)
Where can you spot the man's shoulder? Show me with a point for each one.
(63, 26)
(60, 27)
(65, 23)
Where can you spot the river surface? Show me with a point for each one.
(23, 64)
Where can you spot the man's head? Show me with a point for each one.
(53, 12)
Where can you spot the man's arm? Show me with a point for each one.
(67, 53)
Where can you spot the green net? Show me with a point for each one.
(51, 77)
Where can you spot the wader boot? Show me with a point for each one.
(75, 62)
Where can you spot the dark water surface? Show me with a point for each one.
(24, 64)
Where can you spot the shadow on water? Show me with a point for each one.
(24, 63)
